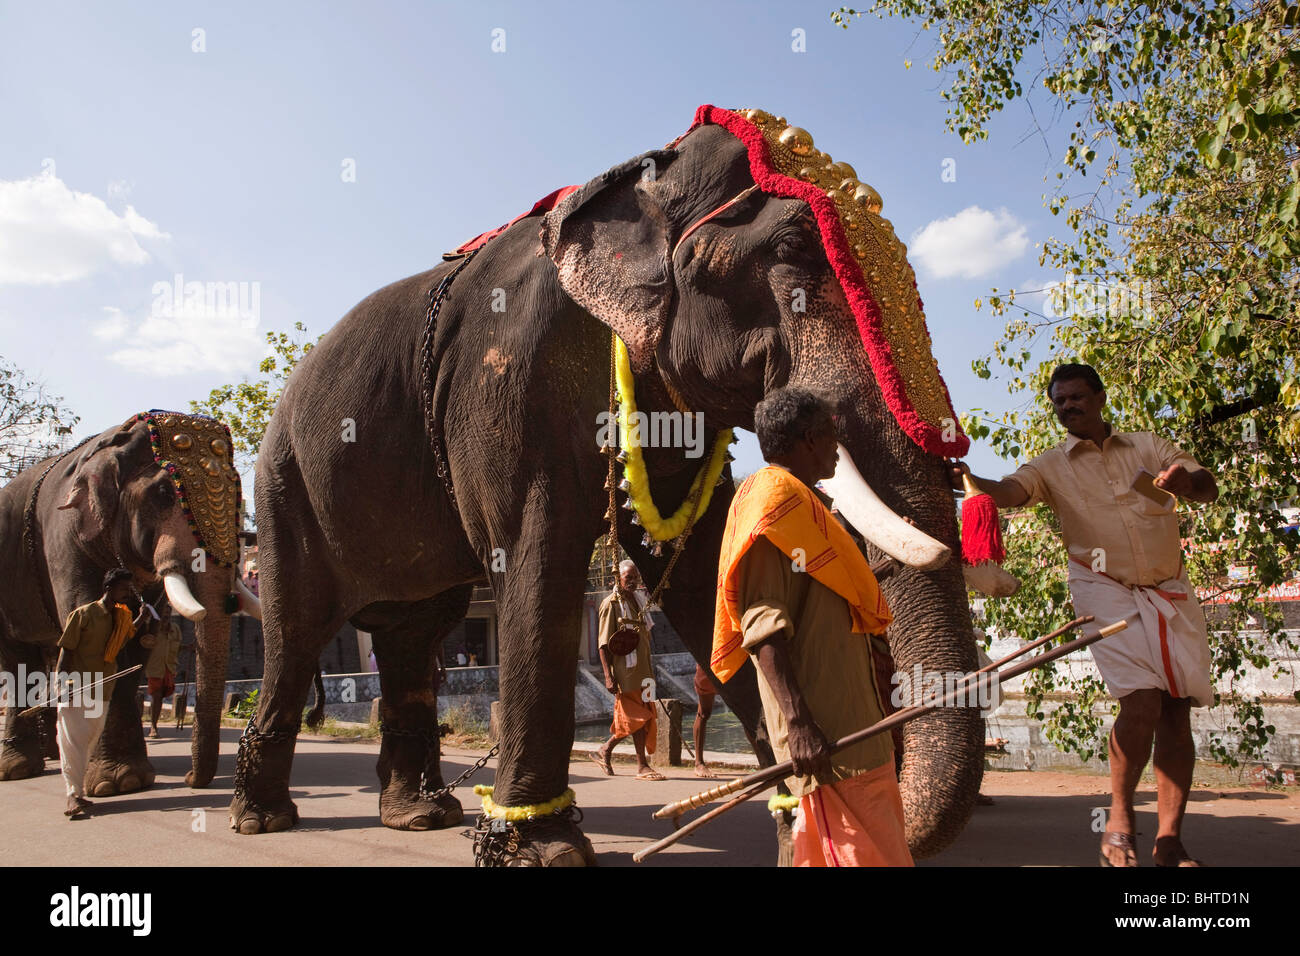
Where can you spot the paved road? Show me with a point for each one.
(1037, 819)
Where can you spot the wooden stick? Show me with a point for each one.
(761, 780)
(722, 790)
(55, 702)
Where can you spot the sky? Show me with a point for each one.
(295, 157)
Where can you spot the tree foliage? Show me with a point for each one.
(1176, 279)
(248, 406)
(33, 423)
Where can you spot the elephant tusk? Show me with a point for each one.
(249, 602)
(991, 579)
(874, 520)
(178, 593)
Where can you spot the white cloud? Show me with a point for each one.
(51, 234)
(180, 342)
(119, 189)
(969, 245)
(113, 328)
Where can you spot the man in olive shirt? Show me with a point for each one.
(629, 677)
(92, 638)
(1125, 562)
(797, 595)
(160, 670)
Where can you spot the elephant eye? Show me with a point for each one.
(793, 245)
(164, 492)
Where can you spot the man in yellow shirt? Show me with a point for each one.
(88, 649)
(1120, 528)
(797, 595)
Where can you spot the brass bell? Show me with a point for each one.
(625, 485)
(627, 505)
(657, 549)
(636, 518)
(646, 540)
(621, 457)
(609, 514)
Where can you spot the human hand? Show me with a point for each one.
(810, 752)
(610, 685)
(955, 471)
(1174, 480)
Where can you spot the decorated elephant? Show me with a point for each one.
(446, 432)
(159, 496)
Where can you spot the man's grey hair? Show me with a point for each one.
(625, 564)
(785, 416)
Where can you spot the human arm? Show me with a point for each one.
(1006, 493)
(765, 579)
(1181, 474)
(606, 630)
(1195, 485)
(810, 752)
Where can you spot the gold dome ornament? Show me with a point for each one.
(182, 441)
(864, 195)
(798, 141)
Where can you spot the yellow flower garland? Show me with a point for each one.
(527, 812)
(659, 528)
(779, 801)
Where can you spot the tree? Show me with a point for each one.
(1178, 284)
(33, 423)
(247, 407)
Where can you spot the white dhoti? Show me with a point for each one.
(78, 733)
(1165, 646)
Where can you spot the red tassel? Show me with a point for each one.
(981, 537)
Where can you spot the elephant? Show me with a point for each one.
(141, 496)
(444, 433)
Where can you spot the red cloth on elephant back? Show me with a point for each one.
(545, 204)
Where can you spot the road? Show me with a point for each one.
(1042, 819)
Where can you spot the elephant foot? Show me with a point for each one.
(251, 818)
(108, 778)
(19, 764)
(198, 779)
(553, 840)
(422, 812)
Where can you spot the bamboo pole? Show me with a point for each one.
(762, 779)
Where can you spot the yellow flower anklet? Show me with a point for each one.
(527, 812)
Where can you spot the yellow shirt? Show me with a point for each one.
(831, 663)
(630, 670)
(1104, 522)
(85, 638)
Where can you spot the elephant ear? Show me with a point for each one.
(97, 487)
(609, 243)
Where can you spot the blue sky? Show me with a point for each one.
(129, 157)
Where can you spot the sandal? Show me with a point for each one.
(650, 773)
(703, 770)
(1116, 839)
(602, 759)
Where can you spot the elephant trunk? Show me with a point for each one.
(212, 647)
(943, 760)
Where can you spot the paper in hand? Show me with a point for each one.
(1144, 484)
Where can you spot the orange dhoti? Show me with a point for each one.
(854, 822)
(631, 714)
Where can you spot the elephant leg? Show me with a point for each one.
(409, 766)
(120, 763)
(539, 607)
(294, 641)
(24, 749)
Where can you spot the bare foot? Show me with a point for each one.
(1169, 851)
